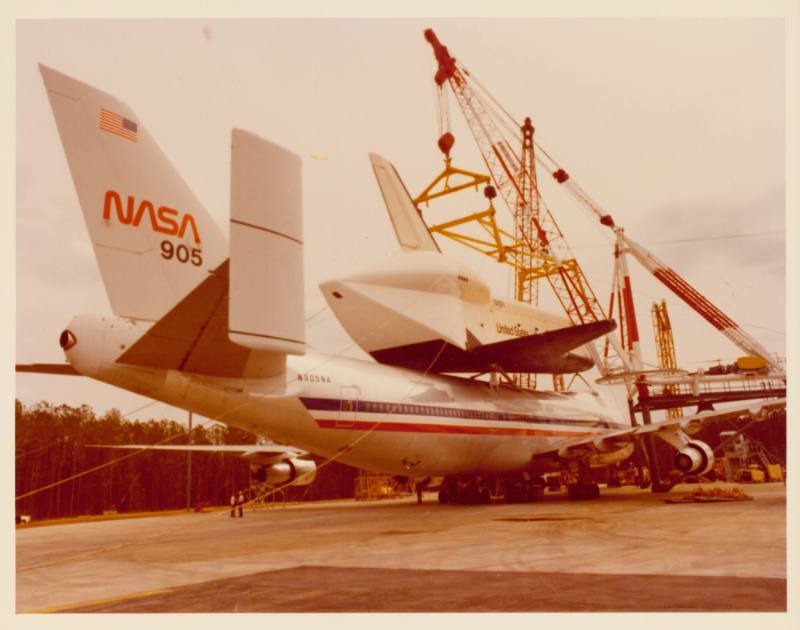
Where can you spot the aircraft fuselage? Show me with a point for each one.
(372, 416)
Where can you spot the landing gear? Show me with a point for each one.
(523, 489)
(448, 492)
(465, 491)
(419, 486)
(519, 488)
(583, 491)
(662, 486)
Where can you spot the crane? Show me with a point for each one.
(546, 254)
(514, 175)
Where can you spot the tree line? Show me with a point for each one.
(52, 444)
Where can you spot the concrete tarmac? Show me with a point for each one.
(628, 550)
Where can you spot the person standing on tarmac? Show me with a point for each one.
(233, 505)
(240, 503)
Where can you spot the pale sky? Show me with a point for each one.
(676, 126)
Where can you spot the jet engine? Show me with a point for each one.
(696, 457)
(300, 472)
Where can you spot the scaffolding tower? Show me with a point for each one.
(665, 348)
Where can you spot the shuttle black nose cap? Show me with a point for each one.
(67, 340)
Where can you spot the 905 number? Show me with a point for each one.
(181, 253)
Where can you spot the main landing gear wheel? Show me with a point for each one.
(471, 491)
(583, 491)
(522, 490)
(447, 492)
(662, 486)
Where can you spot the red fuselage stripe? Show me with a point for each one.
(413, 427)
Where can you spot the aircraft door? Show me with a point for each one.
(348, 406)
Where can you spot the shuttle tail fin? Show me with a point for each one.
(409, 226)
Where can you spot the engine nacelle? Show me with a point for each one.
(300, 472)
(696, 457)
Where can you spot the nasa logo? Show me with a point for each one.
(164, 220)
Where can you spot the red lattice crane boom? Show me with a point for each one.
(698, 302)
(665, 274)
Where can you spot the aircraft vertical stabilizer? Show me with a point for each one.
(266, 308)
(153, 239)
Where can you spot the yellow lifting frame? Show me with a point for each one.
(503, 247)
(476, 179)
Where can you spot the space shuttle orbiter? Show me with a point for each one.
(426, 311)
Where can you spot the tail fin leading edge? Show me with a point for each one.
(153, 239)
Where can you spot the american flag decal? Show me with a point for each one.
(116, 124)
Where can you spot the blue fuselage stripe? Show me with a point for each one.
(410, 409)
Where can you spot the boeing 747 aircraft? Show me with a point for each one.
(218, 328)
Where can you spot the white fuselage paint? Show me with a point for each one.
(372, 416)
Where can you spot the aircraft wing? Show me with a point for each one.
(544, 353)
(265, 453)
(61, 369)
(597, 444)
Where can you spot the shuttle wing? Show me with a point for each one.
(545, 353)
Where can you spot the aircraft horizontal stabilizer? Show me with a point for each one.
(61, 369)
(193, 337)
(544, 353)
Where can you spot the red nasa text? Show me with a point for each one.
(164, 220)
